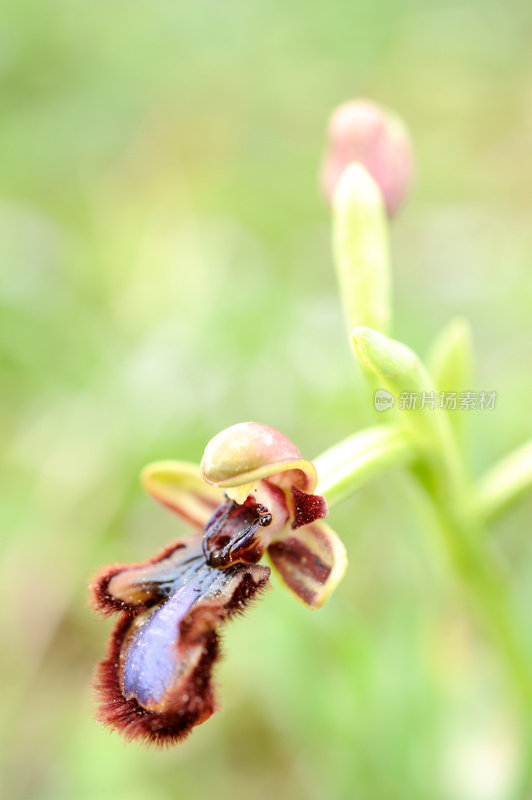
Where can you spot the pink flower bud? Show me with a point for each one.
(363, 131)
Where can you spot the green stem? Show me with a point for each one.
(504, 483)
(489, 592)
(348, 466)
(523, 787)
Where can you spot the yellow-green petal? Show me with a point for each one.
(179, 486)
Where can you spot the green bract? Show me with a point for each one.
(360, 245)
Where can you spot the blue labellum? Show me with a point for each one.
(150, 660)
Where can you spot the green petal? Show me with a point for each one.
(310, 562)
(179, 486)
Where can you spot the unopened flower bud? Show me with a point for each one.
(363, 131)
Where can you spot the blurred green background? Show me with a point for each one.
(166, 272)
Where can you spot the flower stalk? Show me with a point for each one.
(423, 440)
(351, 464)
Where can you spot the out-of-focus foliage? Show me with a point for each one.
(166, 272)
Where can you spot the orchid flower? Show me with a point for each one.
(252, 495)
